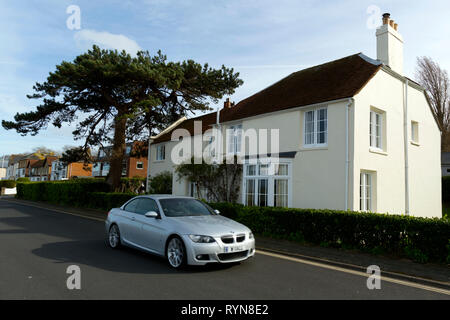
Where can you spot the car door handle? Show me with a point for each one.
(133, 218)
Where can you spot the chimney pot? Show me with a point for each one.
(227, 103)
(386, 17)
(395, 26)
(391, 23)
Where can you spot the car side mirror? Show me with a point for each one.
(216, 211)
(152, 214)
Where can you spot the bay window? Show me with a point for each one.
(267, 184)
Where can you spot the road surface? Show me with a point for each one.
(37, 245)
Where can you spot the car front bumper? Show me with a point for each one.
(218, 252)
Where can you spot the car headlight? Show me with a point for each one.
(250, 235)
(201, 239)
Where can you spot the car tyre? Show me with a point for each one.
(176, 253)
(114, 237)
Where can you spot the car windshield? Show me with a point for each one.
(181, 207)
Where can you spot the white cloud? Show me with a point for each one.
(86, 38)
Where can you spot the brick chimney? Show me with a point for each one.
(228, 104)
(390, 44)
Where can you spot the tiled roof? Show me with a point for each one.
(334, 80)
(330, 81)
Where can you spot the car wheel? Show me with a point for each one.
(114, 237)
(176, 253)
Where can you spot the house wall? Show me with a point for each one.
(133, 171)
(76, 169)
(318, 174)
(386, 93)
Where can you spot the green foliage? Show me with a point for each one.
(69, 192)
(161, 183)
(108, 200)
(23, 179)
(122, 96)
(421, 239)
(7, 184)
(221, 181)
(132, 185)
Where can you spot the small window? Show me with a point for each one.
(316, 127)
(234, 139)
(376, 123)
(160, 152)
(139, 165)
(128, 150)
(365, 192)
(415, 131)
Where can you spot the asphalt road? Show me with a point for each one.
(37, 245)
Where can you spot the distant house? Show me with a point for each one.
(445, 163)
(64, 171)
(24, 165)
(132, 166)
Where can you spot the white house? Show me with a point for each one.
(354, 133)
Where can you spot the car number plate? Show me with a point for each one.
(233, 249)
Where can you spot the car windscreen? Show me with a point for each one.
(181, 207)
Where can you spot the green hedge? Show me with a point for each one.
(7, 184)
(108, 200)
(421, 239)
(69, 192)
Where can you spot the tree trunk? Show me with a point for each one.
(118, 150)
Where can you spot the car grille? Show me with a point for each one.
(240, 237)
(232, 255)
(227, 239)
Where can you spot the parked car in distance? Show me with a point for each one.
(184, 230)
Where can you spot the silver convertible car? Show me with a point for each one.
(182, 229)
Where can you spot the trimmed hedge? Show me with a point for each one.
(421, 239)
(108, 200)
(69, 192)
(7, 184)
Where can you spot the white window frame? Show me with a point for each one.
(315, 133)
(140, 162)
(366, 181)
(270, 177)
(160, 152)
(414, 131)
(234, 139)
(376, 141)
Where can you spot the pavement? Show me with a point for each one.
(38, 242)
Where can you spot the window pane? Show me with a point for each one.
(281, 169)
(309, 127)
(262, 192)
(280, 193)
(251, 170)
(263, 169)
(322, 126)
(250, 192)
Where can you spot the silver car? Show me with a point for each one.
(182, 229)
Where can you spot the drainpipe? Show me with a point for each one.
(347, 161)
(405, 134)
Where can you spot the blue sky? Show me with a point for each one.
(263, 40)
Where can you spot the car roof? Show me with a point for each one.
(163, 196)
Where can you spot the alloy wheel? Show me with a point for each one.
(175, 253)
